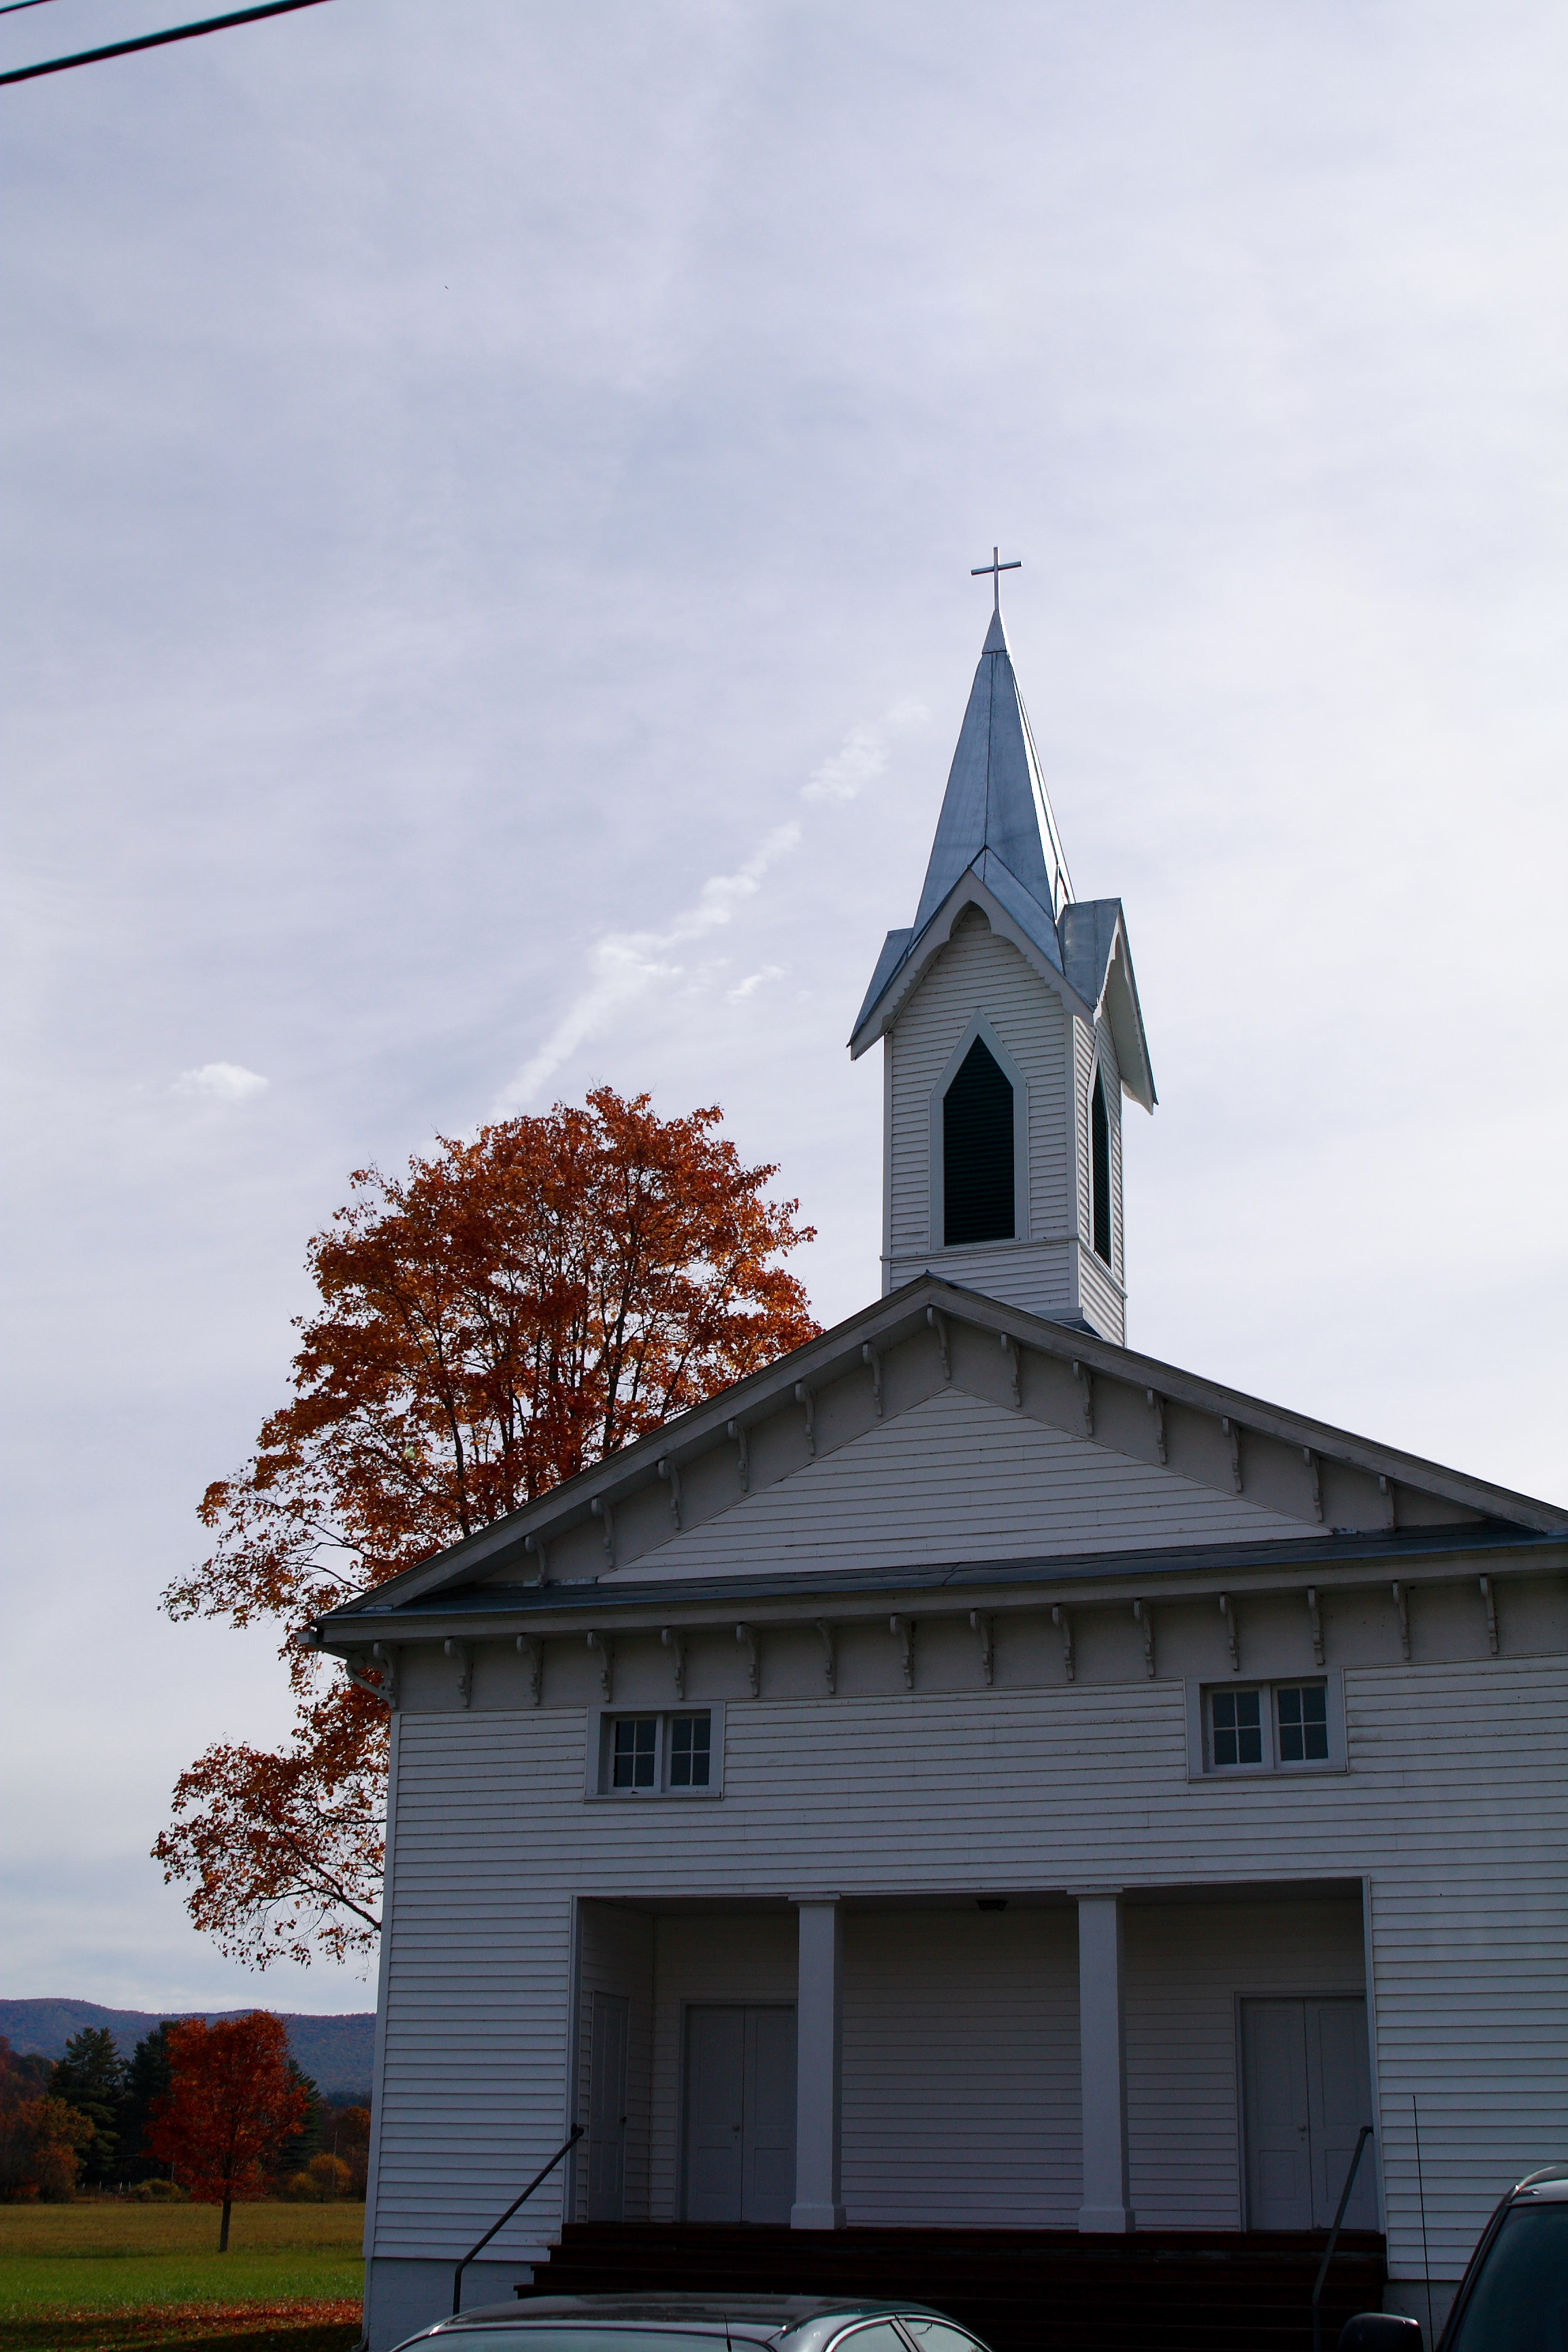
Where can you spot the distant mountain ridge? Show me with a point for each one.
(335, 2052)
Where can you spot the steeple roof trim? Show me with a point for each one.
(996, 799)
(1086, 956)
(1098, 962)
(1012, 913)
(1021, 904)
(895, 947)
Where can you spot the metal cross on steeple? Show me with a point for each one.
(979, 570)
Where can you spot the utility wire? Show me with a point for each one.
(12, 7)
(154, 40)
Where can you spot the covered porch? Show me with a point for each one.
(1101, 2063)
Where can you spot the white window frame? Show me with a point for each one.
(601, 1720)
(1201, 1765)
(979, 1026)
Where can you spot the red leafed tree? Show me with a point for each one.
(508, 1313)
(233, 2100)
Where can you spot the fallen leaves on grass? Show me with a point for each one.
(297, 2326)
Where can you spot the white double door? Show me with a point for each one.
(1306, 2095)
(740, 2113)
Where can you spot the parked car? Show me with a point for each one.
(679, 2323)
(1513, 2297)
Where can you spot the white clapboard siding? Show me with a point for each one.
(953, 1478)
(960, 2053)
(1099, 1289)
(978, 972)
(1470, 1950)
(1187, 1967)
(1102, 1303)
(1039, 1277)
(1455, 1807)
(478, 2000)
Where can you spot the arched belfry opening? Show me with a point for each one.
(1099, 1167)
(977, 1151)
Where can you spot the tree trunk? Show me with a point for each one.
(222, 2230)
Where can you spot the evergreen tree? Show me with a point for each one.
(297, 2152)
(146, 2079)
(90, 2078)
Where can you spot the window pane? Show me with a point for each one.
(689, 1736)
(636, 1752)
(880, 2336)
(1304, 1725)
(1521, 2295)
(939, 2335)
(1236, 1719)
(543, 2338)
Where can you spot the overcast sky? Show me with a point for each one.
(490, 493)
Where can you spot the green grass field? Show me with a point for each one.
(100, 2277)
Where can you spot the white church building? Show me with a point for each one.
(972, 1777)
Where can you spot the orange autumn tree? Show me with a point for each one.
(42, 2138)
(233, 2100)
(504, 1316)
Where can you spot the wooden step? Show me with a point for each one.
(1021, 2291)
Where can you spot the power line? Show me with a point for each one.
(12, 6)
(153, 40)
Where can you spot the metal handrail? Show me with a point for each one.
(1333, 2241)
(576, 2134)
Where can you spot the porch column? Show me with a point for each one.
(1102, 2058)
(819, 2030)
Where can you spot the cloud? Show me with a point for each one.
(753, 980)
(625, 964)
(227, 1082)
(861, 756)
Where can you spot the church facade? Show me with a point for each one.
(972, 1775)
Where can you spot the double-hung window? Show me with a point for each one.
(1276, 1727)
(657, 1754)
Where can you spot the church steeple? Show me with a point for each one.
(1012, 1032)
(995, 814)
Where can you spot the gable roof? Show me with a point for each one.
(513, 1551)
(958, 1474)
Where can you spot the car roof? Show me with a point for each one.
(758, 2316)
(1552, 2185)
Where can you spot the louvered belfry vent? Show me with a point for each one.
(1100, 1138)
(977, 1152)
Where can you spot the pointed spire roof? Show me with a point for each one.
(996, 825)
(995, 814)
